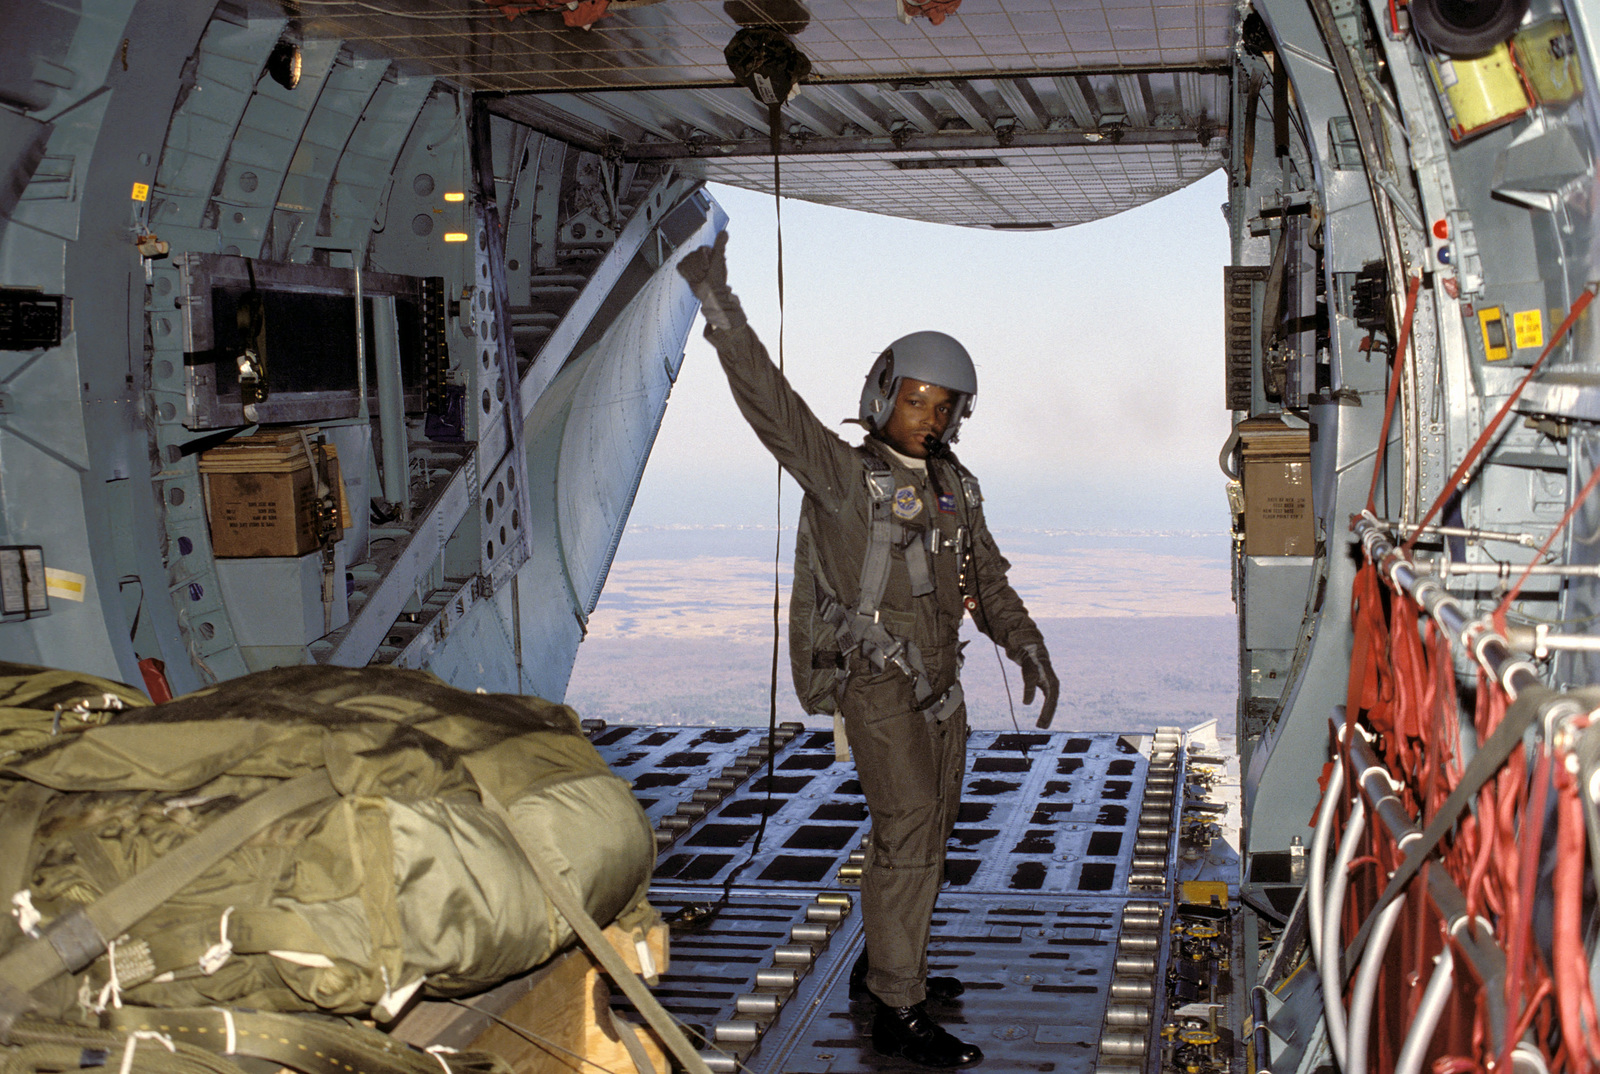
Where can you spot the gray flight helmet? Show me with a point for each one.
(931, 357)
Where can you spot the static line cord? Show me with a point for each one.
(774, 122)
(1004, 678)
(774, 118)
(698, 917)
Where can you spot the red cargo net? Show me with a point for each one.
(1402, 691)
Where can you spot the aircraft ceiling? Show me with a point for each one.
(1012, 113)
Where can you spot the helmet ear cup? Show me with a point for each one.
(877, 393)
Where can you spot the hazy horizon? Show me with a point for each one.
(1140, 629)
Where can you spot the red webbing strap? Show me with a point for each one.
(1411, 673)
(1394, 389)
(1458, 478)
(1369, 665)
(1527, 846)
(1511, 594)
(1574, 997)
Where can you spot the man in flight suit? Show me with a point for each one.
(898, 690)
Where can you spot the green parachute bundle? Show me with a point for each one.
(407, 876)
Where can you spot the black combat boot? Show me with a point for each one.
(910, 1033)
(939, 989)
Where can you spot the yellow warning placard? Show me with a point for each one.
(64, 584)
(1527, 327)
(141, 191)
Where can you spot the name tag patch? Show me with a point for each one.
(947, 503)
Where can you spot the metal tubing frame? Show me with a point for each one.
(1471, 533)
(1504, 571)
(1484, 955)
(1420, 1034)
(1512, 669)
(1507, 665)
(1260, 1035)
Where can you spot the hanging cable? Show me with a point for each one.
(774, 118)
(1394, 386)
(693, 916)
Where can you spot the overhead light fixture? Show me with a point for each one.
(284, 64)
(456, 236)
(454, 195)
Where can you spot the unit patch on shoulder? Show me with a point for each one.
(907, 504)
(947, 503)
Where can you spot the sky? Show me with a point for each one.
(1098, 350)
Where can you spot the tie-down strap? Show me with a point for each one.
(74, 940)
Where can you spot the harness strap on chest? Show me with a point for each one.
(860, 628)
(917, 568)
(880, 537)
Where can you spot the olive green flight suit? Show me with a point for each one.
(910, 767)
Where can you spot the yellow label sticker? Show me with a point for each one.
(64, 584)
(1206, 892)
(141, 191)
(1493, 325)
(1527, 327)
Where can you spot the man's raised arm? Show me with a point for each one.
(817, 458)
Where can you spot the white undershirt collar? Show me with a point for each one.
(919, 465)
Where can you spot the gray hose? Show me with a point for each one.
(1332, 949)
(1317, 880)
(1420, 1035)
(1225, 456)
(1366, 986)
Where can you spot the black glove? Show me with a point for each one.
(706, 269)
(1038, 674)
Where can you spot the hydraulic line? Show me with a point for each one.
(1434, 997)
(1317, 884)
(1331, 964)
(1366, 986)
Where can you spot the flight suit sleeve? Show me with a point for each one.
(823, 464)
(1000, 612)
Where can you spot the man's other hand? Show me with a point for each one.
(1037, 674)
(706, 269)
